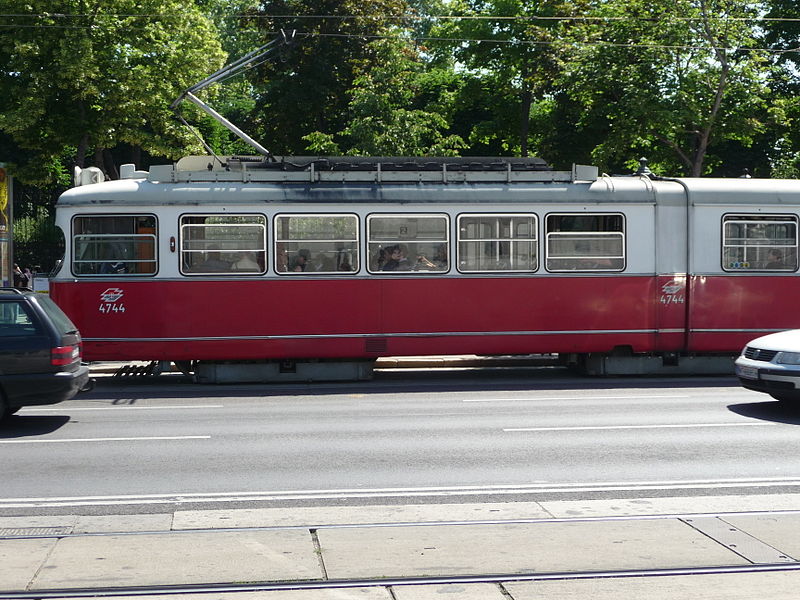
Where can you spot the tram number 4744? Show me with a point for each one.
(112, 308)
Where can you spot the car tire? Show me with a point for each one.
(4, 410)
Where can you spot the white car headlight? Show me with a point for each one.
(789, 358)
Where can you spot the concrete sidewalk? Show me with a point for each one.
(374, 544)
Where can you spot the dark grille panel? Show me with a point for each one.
(758, 354)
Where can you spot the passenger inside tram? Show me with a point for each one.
(213, 263)
(775, 259)
(396, 259)
(247, 262)
(301, 261)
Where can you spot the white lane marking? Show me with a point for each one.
(540, 488)
(62, 408)
(535, 398)
(613, 427)
(108, 439)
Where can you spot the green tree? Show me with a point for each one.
(306, 89)
(83, 76)
(397, 108)
(511, 52)
(670, 80)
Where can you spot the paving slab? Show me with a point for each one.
(733, 586)
(20, 560)
(671, 506)
(355, 515)
(450, 591)
(782, 532)
(176, 558)
(415, 551)
(123, 523)
(66, 521)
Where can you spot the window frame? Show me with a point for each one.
(232, 272)
(621, 234)
(278, 240)
(447, 238)
(534, 240)
(74, 238)
(782, 218)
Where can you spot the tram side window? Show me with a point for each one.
(406, 243)
(585, 242)
(114, 245)
(497, 243)
(759, 243)
(223, 244)
(316, 244)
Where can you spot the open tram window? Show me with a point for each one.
(316, 244)
(585, 242)
(759, 243)
(406, 243)
(223, 244)
(488, 243)
(105, 245)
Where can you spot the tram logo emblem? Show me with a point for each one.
(672, 287)
(111, 295)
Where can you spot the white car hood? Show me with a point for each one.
(783, 341)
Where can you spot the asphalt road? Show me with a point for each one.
(411, 437)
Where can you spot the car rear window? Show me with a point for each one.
(60, 320)
(16, 320)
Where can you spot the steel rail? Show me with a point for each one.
(108, 592)
(393, 524)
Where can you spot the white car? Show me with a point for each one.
(771, 364)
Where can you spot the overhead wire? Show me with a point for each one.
(421, 17)
(521, 42)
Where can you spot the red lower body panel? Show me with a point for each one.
(370, 317)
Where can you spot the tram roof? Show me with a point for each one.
(197, 180)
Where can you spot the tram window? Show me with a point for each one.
(497, 243)
(759, 243)
(316, 244)
(114, 245)
(223, 244)
(585, 242)
(405, 243)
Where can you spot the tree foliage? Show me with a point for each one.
(83, 76)
(396, 108)
(306, 89)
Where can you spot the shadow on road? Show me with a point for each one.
(17, 426)
(778, 412)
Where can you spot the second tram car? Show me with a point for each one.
(239, 260)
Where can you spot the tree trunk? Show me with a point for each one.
(526, 99)
(110, 167)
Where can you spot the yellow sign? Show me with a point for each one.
(3, 201)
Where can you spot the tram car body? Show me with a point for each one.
(333, 259)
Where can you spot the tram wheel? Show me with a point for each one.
(185, 366)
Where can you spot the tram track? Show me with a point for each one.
(331, 584)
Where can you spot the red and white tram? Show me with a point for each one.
(354, 259)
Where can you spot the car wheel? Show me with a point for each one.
(4, 410)
(786, 397)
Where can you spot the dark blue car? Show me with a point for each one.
(40, 352)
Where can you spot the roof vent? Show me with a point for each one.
(88, 176)
(129, 171)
